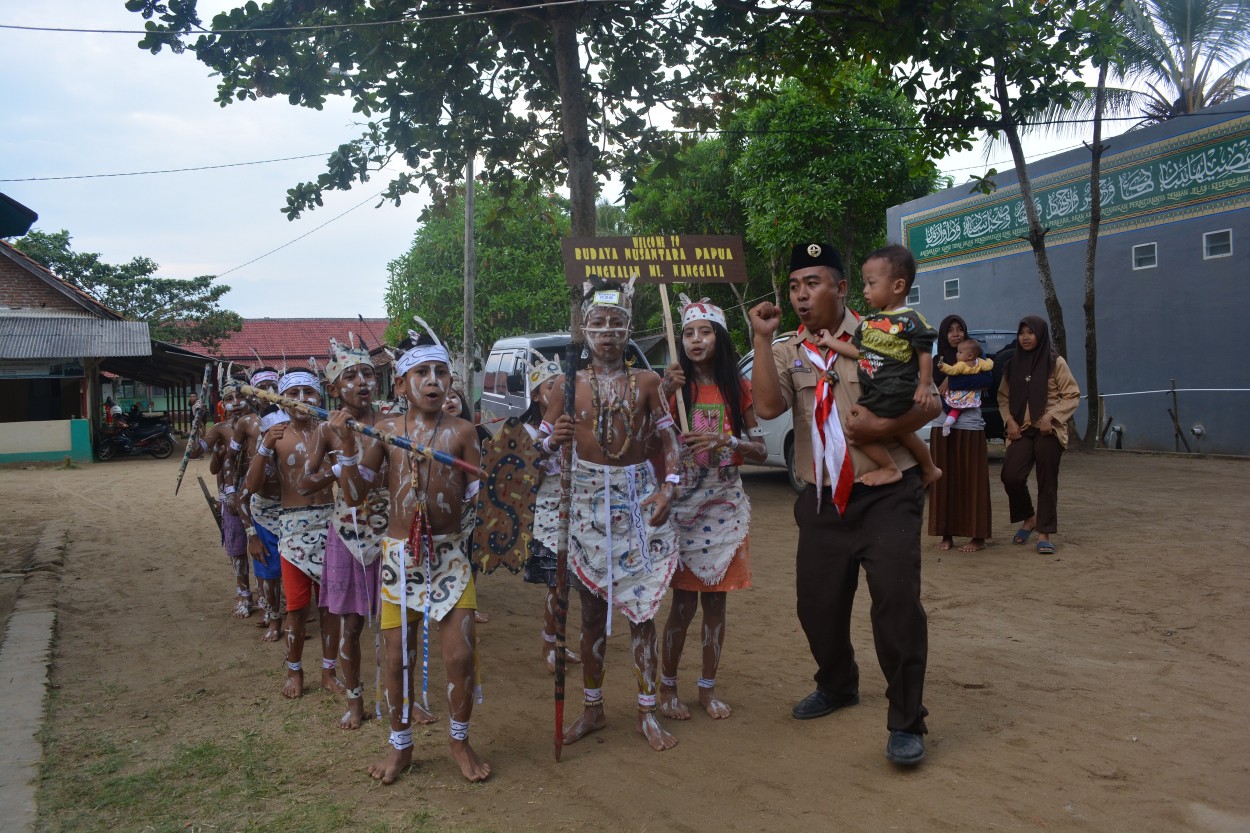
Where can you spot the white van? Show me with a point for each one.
(505, 387)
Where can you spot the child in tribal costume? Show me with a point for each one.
(218, 441)
(621, 544)
(540, 567)
(425, 562)
(260, 511)
(304, 522)
(711, 512)
(349, 587)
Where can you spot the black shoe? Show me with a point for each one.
(905, 748)
(819, 704)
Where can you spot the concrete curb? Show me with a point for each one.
(25, 656)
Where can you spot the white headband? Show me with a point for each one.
(702, 310)
(269, 421)
(298, 378)
(264, 376)
(420, 355)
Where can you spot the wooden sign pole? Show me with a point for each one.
(672, 356)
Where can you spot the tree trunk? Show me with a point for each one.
(470, 276)
(576, 129)
(1037, 234)
(1090, 439)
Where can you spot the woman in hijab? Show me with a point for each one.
(1037, 397)
(959, 502)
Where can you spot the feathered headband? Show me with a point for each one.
(542, 369)
(600, 293)
(420, 354)
(342, 357)
(701, 310)
(301, 378)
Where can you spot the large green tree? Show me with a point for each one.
(182, 311)
(520, 276)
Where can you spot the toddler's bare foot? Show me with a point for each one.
(592, 720)
(472, 767)
(930, 475)
(651, 729)
(881, 477)
(716, 708)
(389, 768)
(293, 688)
(670, 705)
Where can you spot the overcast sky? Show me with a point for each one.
(77, 104)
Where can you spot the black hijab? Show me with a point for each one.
(945, 352)
(1028, 372)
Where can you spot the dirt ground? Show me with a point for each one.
(1105, 688)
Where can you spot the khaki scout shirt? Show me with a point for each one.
(798, 377)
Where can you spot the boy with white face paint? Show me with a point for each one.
(304, 521)
(425, 556)
(218, 441)
(628, 561)
(349, 587)
(259, 511)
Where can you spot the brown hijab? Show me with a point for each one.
(1028, 372)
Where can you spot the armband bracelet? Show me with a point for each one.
(549, 446)
(675, 479)
(234, 446)
(546, 427)
(350, 460)
(337, 469)
(663, 422)
(264, 450)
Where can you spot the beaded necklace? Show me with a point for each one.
(605, 424)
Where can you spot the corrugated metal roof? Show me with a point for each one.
(65, 338)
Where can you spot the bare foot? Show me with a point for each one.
(669, 704)
(930, 475)
(974, 545)
(651, 729)
(471, 766)
(242, 609)
(355, 714)
(881, 477)
(293, 688)
(421, 715)
(570, 658)
(390, 767)
(945, 544)
(330, 681)
(592, 720)
(272, 632)
(481, 618)
(716, 708)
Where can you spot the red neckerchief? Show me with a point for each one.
(828, 439)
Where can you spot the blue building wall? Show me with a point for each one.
(1180, 319)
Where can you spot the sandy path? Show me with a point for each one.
(1105, 688)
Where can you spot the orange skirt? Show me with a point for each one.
(737, 577)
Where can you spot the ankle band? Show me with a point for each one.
(247, 594)
(355, 693)
(646, 702)
(402, 739)
(671, 682)
(459, 731)
(549, 637)
(704, 682)
(294, 666)
(327, 664)
(594, 696)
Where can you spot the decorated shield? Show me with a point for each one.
(505, 503)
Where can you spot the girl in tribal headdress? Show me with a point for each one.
(711, 512)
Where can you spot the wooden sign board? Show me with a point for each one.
(657, 258)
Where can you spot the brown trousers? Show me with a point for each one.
(880, 532)
(1033, 447)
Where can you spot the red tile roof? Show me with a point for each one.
(299, 338)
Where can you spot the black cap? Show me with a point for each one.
(815, 254)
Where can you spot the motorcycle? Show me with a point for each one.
(147, 436)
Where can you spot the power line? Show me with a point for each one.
(166, 170)
(302, 236)
(269, 29)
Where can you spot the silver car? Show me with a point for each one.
(779, 432)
